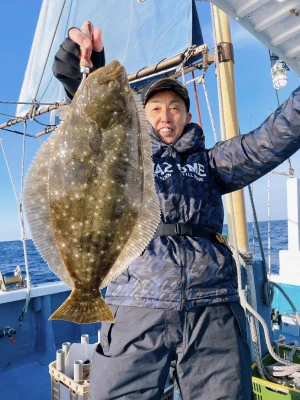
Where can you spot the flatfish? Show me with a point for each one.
(89, 195)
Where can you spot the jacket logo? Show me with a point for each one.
(165, 170)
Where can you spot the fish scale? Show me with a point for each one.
(89, 196)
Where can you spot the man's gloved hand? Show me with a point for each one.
(66, 62)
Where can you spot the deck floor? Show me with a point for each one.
(31, 380)
(28, 381)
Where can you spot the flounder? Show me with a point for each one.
(89, 196)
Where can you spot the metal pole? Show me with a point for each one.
(229, 125)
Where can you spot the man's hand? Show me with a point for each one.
(66, 62)
(81, 39)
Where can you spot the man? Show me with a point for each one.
(178, 301)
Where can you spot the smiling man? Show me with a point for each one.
(178, 302)
(167, 108)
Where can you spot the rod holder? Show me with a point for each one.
(78, 371)
(85, 339)
(60, 361)
(66, 347)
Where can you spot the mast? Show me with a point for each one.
(229, 122)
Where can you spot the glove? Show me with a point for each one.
(66, 65)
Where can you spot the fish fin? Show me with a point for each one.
(149, 214)
(83, 311)
(37, 211)
(63, 112)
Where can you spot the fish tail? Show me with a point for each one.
(83, 311)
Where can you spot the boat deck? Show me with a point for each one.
(28, 381)
(24, 365)
(31, 380)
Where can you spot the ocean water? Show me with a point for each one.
(11, 253)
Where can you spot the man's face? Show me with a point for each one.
(166, 112)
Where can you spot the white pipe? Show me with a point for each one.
(78, 371)
(60, 361)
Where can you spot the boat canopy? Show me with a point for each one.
(275, 23)
(138, 33)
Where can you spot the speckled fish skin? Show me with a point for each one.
(89, 196)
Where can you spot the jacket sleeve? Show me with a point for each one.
(239, 161)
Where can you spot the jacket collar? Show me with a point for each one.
(191, 141)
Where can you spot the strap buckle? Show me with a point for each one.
(223, 240)
(183, 229)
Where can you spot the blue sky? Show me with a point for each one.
(256, 99)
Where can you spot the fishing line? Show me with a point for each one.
(23, 102)
(18, 132)
(21, 218)
(23, 235)
(127, 44)
(212, 121)
(50, 47)
(48, 125)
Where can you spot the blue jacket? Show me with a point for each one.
(182, 272)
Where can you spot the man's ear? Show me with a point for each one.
(188, 118)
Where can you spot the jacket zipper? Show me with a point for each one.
(183, 299)
(184, 276)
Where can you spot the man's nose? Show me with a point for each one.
(165, 115)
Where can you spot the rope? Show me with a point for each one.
(267, 291)
(288, 299)
(202, 81)
(23, 236)
(264, 372)
(50, 47)
(197, 100)
(284, 368)
(269, 226)
(21, 219)
(33, 110)
(290, 174)
(289, 366)
(9, 171)
(180, 68)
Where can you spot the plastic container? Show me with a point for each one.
(65, 388)
(266, 390)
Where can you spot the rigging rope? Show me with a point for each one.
(290, 368)
(269, 227)
(50, 47)
(9, 171)
(23, 236)
(197, 100)
(290, 372)
(21, 219)
(267, 294)
(202, 81)
(297, 314)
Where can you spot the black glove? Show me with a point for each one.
(66, 65)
